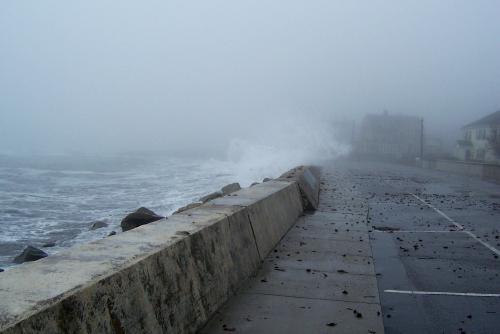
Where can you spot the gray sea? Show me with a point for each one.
(57, 198)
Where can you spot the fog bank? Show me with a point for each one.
(107, 77)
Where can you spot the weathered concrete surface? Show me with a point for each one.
(271, 218)
(149, 280)
(164, 277)
(319, 279)
(423, 252)
(260, 313)
(315, 283)
(308, 179)
(187, 207)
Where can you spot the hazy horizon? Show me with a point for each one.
(102, 77)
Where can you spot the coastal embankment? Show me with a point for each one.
(170, 275)
(485, 171)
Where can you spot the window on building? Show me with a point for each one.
(468, 135)
(480, 134)
(494, 135)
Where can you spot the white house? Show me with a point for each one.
(481, 140)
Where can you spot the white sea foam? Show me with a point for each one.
(280, 146)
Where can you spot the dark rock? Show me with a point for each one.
(98, 224)
(111, 233)
(228, 329)
(137, 218)
(230, 188)
(29, 254)
(49, 244)
(187, 207)
(266, 179)
(1, 270)
(211, 196)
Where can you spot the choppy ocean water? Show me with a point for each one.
(56, 199)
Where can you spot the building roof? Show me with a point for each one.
(491, 119)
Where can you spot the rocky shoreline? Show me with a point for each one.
(139, 217)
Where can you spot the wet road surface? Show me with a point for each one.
(435, 240)
(391, 247)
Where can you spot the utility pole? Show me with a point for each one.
(422, 139)
(353, 133)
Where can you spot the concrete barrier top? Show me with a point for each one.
(308, 180)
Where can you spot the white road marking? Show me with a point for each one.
(423, 231)
(443, 293)
(460, 227)
(484, 243)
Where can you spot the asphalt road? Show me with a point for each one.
(435, 239)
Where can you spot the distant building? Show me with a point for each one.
(343, 131)
(481, 140)
(396, 137)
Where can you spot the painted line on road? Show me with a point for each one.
(484, 243)
(443, 293)
(472, 235)
(459, 226)
(416, 231)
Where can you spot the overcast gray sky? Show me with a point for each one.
(99, 76)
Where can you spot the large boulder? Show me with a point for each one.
(187, 207)
(98, 224)
(1, 270)
(139, 217)
(230, 188)
(211, 196)
(29, 254)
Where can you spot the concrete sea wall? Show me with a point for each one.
(485, 171)
(169, 276)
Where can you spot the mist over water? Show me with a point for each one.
(283, 145)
